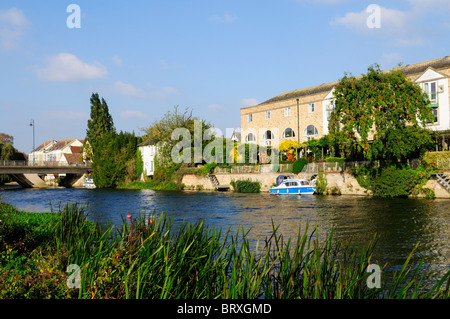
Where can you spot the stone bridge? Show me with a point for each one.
(30, 175)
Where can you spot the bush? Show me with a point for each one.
(246, 186)
(205, 169)
(321, 184)
(439, 160)
(299, 164)
(391, 182)
(334, 159)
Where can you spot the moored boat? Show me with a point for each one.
(89, 182)
(294, 186)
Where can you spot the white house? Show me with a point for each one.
(148, 152)
(65, 151)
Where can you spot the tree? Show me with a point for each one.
(115, 159)
(100, 123)
(6, 139)
(160, 133)
(378, 106)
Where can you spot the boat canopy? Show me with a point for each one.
(283, 177)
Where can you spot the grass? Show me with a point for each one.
(170, 186)
(153, 259)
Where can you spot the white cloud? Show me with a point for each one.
(133, 114)
(398, 27)
(430, 5)
(128, 90)
(249, 102)
(222, 18)
(13, 25)
(66, 67)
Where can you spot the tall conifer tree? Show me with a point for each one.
(101, 121)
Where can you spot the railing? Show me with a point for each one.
(44, 164)
(13, 163)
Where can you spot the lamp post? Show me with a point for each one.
(32, 124)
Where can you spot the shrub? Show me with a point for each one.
(205, 169)
(299, 164)
(334, 159)
(391, 182)
(246, 186)
(439, 160)
(321, 184)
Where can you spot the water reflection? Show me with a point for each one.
(400, 223)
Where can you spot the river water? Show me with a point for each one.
(400, 223)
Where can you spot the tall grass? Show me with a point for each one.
(154, 259)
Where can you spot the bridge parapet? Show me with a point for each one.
(87, 165)
(27, 173)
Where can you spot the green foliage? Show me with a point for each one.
(100, 122)
(387, 105)
(246, 186)
(8, 153)
(160, 133)
(428, 193)
(334, 159)
(113, 154)
(438, 160)
(139, 164)
(321, 184)
(298, 165)
(205, 169)
(392, 181)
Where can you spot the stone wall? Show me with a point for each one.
(338, 183)
(201, 182)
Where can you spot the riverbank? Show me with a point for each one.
(343, 183)
(150, 259)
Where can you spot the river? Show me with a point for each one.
(400, 223)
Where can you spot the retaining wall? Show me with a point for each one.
(340, 183)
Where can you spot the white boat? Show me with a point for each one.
(89, 182)
(294, 186)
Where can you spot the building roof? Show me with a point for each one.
(408, 70)
(76, 149)
(73, 158)
(53, 145)
(44, 145)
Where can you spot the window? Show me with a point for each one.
(287, 112)
(249, 118)
(330, 109)
(435, 113)
(310, 132)
(268, 137)
(267, 115)
(311, 108)
(250, 138)
(288, 133)
(431, 89)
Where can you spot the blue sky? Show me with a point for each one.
(145, 57)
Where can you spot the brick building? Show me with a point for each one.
(303, 114)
